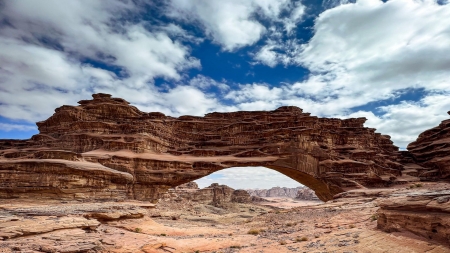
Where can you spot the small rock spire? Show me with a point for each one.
(101, 95)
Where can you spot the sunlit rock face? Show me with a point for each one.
(105, 148)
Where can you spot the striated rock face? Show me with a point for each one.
(241, 196)
(431, 151)
(426, 214)
(275, 192)
(306, 194)
(300, 193)
(214, 194)
(187, 186)
(107, 149)
(11, 227)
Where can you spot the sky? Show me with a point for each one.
(248, 178)
(387, 61)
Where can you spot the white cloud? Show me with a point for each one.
(248, 178)
(371, 47)
(203, 82)
(365, 52)
(16, 127)
(290, 23)
(328, 4)
(44, 47)
(360, 53)
(405, 121)
(175, 31)
(255, 91)
(233, 23)
(371, 51)
(229, 23)
(189, 100)
(378, 48)
(267, 55)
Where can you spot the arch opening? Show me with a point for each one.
(248, 178)
(288, 175)
(246, 185)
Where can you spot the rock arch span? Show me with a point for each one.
(105, 148)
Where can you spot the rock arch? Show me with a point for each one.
(107, 149)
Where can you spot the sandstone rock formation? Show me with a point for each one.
(28, 225)
(425, 213)
(11, 227)
(298, 193)
(431, 151)
(214, 194)
(107, 149)
(241, 196)
(275, 192)
(306, 194)
(188, 186)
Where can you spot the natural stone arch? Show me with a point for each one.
(115, 151)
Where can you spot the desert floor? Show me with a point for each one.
(337, 226)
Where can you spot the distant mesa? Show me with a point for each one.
(107, 149)
(299, 193)
(215, 194)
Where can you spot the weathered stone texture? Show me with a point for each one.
(107, 149)
(306, 194)
(275, 192)
(215, 194)
(426, 214)
(431, 151)
(299, 193)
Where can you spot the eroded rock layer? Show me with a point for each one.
(107, 149)
(215, 194)
(431, 151)
(275, 192)
(425, 213)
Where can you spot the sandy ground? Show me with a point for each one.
(288, 203)
(339, 226)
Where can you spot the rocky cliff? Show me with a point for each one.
(275, 192)
(306, 194)
(300, 193)
(215, 194)
(188, 186)
(424, 213)
(105, 148)
(430, 153)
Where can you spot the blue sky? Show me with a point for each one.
(387, 61)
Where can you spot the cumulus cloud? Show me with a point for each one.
(204, 82)
(366, 52)
(56, 54)
(370, 51)
(328, 4)
(233, 24)
(254, 92)
(360, 53)
(248, 178)
(278, 50)
(408, 119)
